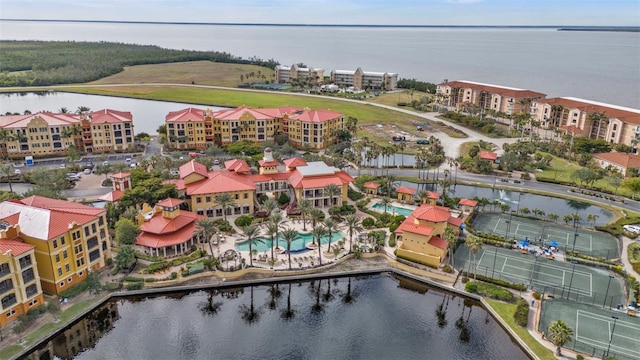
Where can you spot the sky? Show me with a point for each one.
(366, 12)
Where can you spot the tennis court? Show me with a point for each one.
(594, 328)
(588, 242)
(556, 278)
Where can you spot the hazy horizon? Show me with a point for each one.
(614, 13)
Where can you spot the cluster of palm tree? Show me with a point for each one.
(474, 244)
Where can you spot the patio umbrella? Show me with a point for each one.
(524, 243)
(554, 243)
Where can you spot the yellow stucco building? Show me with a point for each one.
(69, 239)
(421, 235)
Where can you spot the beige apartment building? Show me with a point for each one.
(591, 119)
(193, 128)
(365, 79)
(47, 134)
(487, 97)
(296, 73)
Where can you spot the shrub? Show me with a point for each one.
(133, 279)
(174, 275)
(354, 195)
(134, 286)
(392, 241)
(448, 269)
(521, 315)
(368, 222)
(283, 199)
(536, 295)
(243, 220)
(471, 287)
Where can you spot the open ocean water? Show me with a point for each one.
(594, 65)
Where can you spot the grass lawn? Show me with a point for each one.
(506, 312)
(194, 72)
(392, 99)
(633, 252)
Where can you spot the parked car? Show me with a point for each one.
(62, 166)
(17, 171)
(399, 138)
(127, 160)
(87, 171)
(632, 229)
(423, 142)
(105, 163)
(216, 162)
(174, 173)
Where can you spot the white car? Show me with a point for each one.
(87, 171)
(632, 229)
(17, 171)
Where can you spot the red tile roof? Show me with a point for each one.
(571, 129)
(488, 155)
(438, 242)
(264, 163)
(455, 221)
(120, 175)
(620, 159)
(14, 246)
(468, 202)
(495, 89)
(406, 190)
(621, 113)
(371, 185)
(158, 224)
(237, 165)
(431, 213)
(295, 162)
(185, 115)
(170, 203)
(110, 116)
(220, 182)
(21, 121)
(409, 225)
(244, 113)
(433, 194)
(316, 116)
(257, 178)
(44, 218)
(112, 196)
(171, 233)
(192, 167)
(298, 181)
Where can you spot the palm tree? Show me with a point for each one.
(331, 226)
(7, 170)
(316, 216)
(332, 190)
(560, 333)
(251, 232)
(289, 235)
(318, 232)
(207, 228)
(452, 238)
(277, 219)
(305, 206)
(225, 201)
(353, 225)
(272, 232)
(269, 205)
(390, 180)
(401, 146)
(385, 201)
(474, 244)
(553, 217)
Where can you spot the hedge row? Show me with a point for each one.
(521, 316)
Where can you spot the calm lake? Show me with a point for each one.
(600, 66)
(370, 317)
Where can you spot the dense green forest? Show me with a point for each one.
(417, 85)
(41, 63)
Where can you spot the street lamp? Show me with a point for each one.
(518, 206)
(615, 318)
(510, 218)
(575, 235)
(495, 255)
(571, 280)
(604, 303)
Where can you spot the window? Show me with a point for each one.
(64, 254)
(4, 270)
(208, 198)
(62, 241)
(237, 196)
(78, 248)
(246, 195)
(80, 262)
(59, 271)
(93, 242)
(57, 257)
(9, 300)
(55, 243)
(93, 228)
(31, 290)
(69, 280)
(25, 261)
(11, 313)
(94, 255)
(6, 285)
(67, 268)
(198, 200)
(27, 276)
(86, 231)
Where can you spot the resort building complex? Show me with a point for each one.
(193, 128)
(47, 134)
(365, 79)
(64, 240)
(507, 100)
(298, 74)
(578, 117)
(296, 179)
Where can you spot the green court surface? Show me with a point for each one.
(588, 242)
(555, 278)
(593, 329)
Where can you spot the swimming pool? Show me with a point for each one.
(393, 209)
(263, 244)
